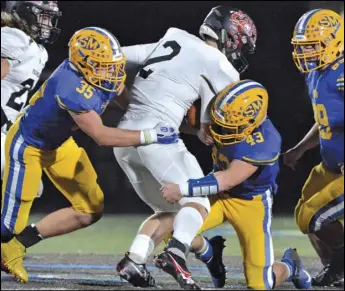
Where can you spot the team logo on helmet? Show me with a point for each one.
(89, 43)
(328, 21)
(253, 109)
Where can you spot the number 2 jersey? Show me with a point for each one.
(47, 123)
(326, 90)
(261, 149)
(26, 61)
(177, 70)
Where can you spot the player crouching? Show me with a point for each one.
(246, 164)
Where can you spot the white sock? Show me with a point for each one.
(187, 224)
(141, 248)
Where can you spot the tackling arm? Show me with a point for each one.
(237, 172)
(91, 123)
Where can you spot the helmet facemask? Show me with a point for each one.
(41, 19)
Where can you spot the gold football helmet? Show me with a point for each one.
(237, 110)
(318, 39)
(97, 55)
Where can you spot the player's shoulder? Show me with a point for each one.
(14, 42)
(71, 89)
(335, 76)
(263, 147)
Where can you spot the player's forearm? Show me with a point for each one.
(310, 140)
(117, 137)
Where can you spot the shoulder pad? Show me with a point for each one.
(338, 68)
(74, 93)
(14, 43)
(263, 147)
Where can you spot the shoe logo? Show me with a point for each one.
(309, 278)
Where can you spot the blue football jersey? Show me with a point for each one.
(47, 123)
(326, 90)
(261, 149)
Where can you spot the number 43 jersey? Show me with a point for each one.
(26, 61)
(177, 70)
(261, 149)
(326, 90)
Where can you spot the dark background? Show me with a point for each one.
(134, 22)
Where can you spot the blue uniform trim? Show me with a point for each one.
(268, 269)
(9, 216)
(204, 186)
(334, 210)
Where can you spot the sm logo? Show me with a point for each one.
(328, 21)
(89, 43)
(252, 109)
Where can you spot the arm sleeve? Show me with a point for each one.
(138, 54)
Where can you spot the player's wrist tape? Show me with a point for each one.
(204, 186)
(148, 136)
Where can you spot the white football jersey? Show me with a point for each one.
(26, 60)
(176, 71)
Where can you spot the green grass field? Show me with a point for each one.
(113, 235)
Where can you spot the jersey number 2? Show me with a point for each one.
(27, 86)
(176, 48)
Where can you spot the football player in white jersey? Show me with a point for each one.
(25, 27)
(177, 70)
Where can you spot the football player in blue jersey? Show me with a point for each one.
(241, 188)
(318, 41)
(73, 97)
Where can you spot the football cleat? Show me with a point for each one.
(12, 254)
(215, 265)
(136, 274)
(175, 265)
(300, 277)
(327, 278)
(333, 273)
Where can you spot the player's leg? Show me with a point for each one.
(132, 267)
(72, 173)
(210, 251)
(174, 164)
(317, 213)
(21, 179)
(252, 221)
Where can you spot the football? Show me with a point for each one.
(193, 114)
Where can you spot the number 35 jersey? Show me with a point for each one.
(261, 149)
(326, 89)
(47, 123)
(177, 70)
(26, 61)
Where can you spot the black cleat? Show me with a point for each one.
(134, 273)
(176, 266)
(327, 278)
(333, 273)
(215, 265)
